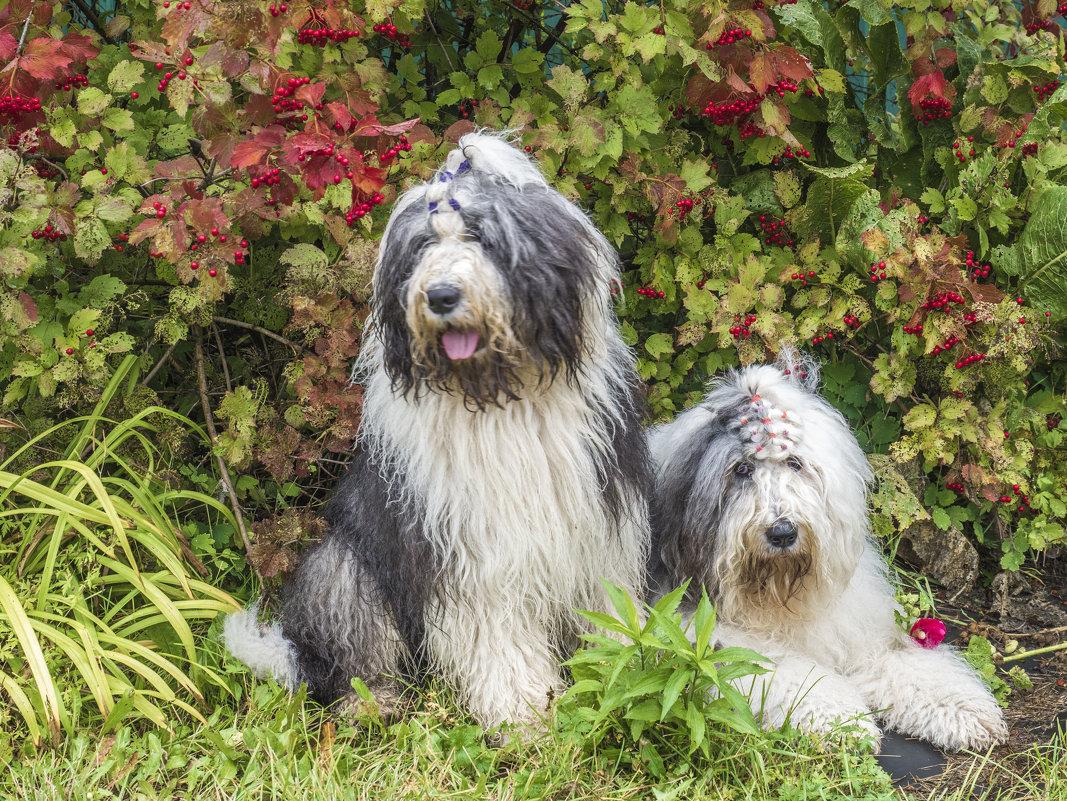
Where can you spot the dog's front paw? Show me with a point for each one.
(974, 724)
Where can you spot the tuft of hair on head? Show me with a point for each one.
(495, 154)
(798, 367)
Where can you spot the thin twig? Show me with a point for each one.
(1056, 630)
(94, 20)
(25, 27)
(222, 357)
(162, 360)
(437, 35)
(213, 436)
(260, 330)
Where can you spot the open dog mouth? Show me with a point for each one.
(459, 345)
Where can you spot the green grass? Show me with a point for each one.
(276, 746)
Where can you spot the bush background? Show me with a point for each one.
(188, 225)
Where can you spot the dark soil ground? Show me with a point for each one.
(1029, 607)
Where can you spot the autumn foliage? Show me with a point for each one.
(203, 184)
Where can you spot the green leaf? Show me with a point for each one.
(659, 345)
(92, 101)
(488, 46)
(125, 75)
(1042, 248)
(119, 119)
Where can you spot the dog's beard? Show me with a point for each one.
(489, 376)
(773, 581)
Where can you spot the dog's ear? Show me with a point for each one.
(690, 488)
(800, 368)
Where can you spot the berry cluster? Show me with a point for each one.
(969, 360)
(73, 82)
(955, 487)
(275, 10)
(318, 37)
(282, 99)
(186, 5)
(363, 209)
(811, 92)
(48, 234)
(239, 256)
(1044, 91)
(802, 277)
(727, 113)
(934, 108)
(1042, 25)
(403, 146)
(160, 210)
(658, 30)
(14, 107)
(271, 177)
(1016, 491)
(774, 232)
(729, 36)
(976, 270)
(1030, 149)
(747, 129)
(820, 339)
(683, 207)
(877, 272)
(944, 346)
(679, 111)
(169, 76)
(913, 329)
(742, 331)
(958, 147)
(799, 153)
(852, 321)
(942, 300)
(389, 30)
(650, 293)
(781, 87)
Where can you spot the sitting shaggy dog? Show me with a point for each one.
(761, 499)
(500, 471)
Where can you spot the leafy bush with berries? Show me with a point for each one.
(202, 184)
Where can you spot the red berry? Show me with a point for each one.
(70, 351)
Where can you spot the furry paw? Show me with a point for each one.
(383, 703)
(968, 723)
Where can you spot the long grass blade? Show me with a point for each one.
(54, 712)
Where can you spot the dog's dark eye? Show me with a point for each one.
(794, 463)
(744, 470)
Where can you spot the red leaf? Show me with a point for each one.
(43, 58)
(338, 112)
(255, 150)
(79, 47)
(8, 46)
(28, 306)
(945, 57)
(931, 84)
(311, 93)
(369, 126)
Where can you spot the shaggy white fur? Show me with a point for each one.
(761, 498)
(500, 471)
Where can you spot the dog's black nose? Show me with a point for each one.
(443, 298)
(782, 534)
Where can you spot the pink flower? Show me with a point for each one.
(928, 632)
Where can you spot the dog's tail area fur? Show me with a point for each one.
(261, 646)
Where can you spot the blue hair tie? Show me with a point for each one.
(446, 176)
(463, 167)
(453, 203)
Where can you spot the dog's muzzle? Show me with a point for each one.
(443, 299)
(782, 534)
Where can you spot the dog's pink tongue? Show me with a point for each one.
(460, 344)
